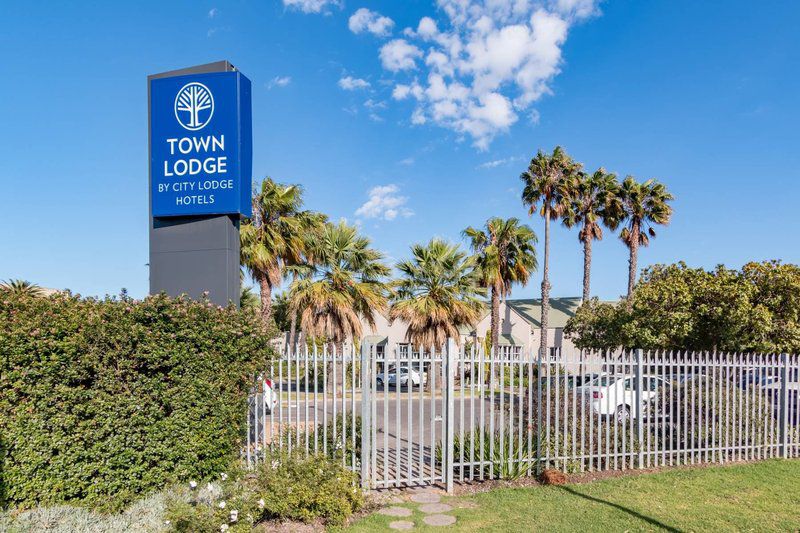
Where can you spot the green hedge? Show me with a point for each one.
(104, 400)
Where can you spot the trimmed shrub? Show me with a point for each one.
(105, 400)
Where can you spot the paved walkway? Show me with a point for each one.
(428, 501)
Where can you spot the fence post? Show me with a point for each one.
(449, 414)
(366, 415)
(638, 408)
(784, 406)
(539, 411)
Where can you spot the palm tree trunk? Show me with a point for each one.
(495, 323)
(336, 368)
(587, 267)
(292, 330)
(545, 284)
(634, 248)
(266, 299)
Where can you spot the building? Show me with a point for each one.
(520, 325)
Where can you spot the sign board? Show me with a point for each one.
(200, 145)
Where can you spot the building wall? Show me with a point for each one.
(511, 324)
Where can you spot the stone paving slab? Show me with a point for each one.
(395, 511)
(425, 497)
(435, 508)
(439, 520)
(401, 524)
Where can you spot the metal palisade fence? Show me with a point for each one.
(401, 416)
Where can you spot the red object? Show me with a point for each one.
(596, 395)
(268, 382)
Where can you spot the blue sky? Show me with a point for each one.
(701, 95)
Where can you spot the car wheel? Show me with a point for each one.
(623, 414)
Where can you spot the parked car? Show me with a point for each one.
(408, 376)
(616, 395)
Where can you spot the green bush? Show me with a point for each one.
(105, 400)
(320, 439)
(308, 488)
(284, 487)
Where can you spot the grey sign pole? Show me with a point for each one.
(194, 255)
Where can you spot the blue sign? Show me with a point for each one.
(201, 148)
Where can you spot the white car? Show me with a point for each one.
(407, 376)
(616, 395)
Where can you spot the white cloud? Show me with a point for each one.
(399, 55)
(349, 83)
(407, 162)
(384, 203)
(370, 21)
(279, 81)
(311, 6)
(498, 162)
(213, 13)
(485, 63)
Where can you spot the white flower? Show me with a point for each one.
(275, 464)
(223, 527)
(193, 485)
(261, 503)
(234, 515)
(167, 522)
(222, 505)
(210, 487)
(223, 476)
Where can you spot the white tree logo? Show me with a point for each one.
(194, 106)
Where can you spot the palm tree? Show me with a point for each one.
(437, 293)
(343, 287)
(317, 224)
(505, 253)
(274, 237)
(249, 301)
(643, 205)
(20, 287)
(592, 202)
(545, 181)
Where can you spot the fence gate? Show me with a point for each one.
(407, 406)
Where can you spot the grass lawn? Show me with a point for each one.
(754, 497)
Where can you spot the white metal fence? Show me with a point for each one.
(402, 417)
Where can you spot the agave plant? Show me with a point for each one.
(19, 287)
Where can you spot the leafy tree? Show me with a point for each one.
(592, 201)
(598, 325)
(275, 237)
(545, 182)
(643, 205)
(680, 308)
(777, 288)
(506, 254)
(344, 286)
(280, 312)
(20, 287)
(437, 293)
